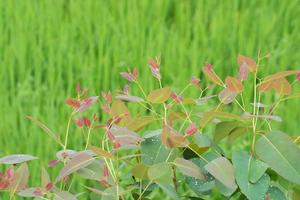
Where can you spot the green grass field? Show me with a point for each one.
(46, 47)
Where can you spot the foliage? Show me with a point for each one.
(129, 162)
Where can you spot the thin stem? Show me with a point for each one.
(141, 88)
(141, 195)
(67, 131)
(88, 136)
(254, 119)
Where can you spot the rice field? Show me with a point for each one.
(47, 47)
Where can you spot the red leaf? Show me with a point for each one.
(83, 121)
(128, 76)
(176, 98)
(209, 72)
(234, 84)
(74, 103)
(153, 64)
(243, 72)
(86, 103)
(171, 138)
(250, 63)
(192, 129)
(53, 163)
(78, 88)
(105, 171)
(135, 72)
(79, 161)
(195, 81)
(124, 137)
(226, 96)
(107, 96)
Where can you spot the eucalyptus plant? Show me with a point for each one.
(211, 140)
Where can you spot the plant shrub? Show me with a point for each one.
(215, 145)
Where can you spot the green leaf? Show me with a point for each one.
(201, 145)
(153, 151)
(111, 193)
(159, 95)
(237, 132)
(202, 187)
(193, 151)
(140, 171)
(46, 130)
(170, 191)
(274, 193)
(210, 115)
(160, 173)
(188, 168)
(224, 190)
(257, 169)
(223, 171)
(253, 191)
(281, 154)
(223, 129)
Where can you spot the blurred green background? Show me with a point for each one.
(46, 47)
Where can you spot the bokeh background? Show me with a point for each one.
(46, 47)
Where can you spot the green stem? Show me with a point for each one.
(67, 131)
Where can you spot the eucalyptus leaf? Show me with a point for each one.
(160, 173)
(257, 169)
(170, 191)
(253, 191)
(202, 187)
(153, 151)
(223, 129)
(188, 168)
(16, 159)
(281, 154)
(274, 193)
(222, 170)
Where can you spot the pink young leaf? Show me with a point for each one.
(78, 90)
(135, 72)
(10, 173)
(79, 161)
(86, 103)
(155, 72)
(83, 121)
(243, 72)
(65, 154)
(64, 195)
(153, 64)
(31, 192)
(128, 76)
(192, 129)
(203, 100)
(20, 178)
(16, 159)
(226, 96)
(128, 98)
(195, 81)
(210, 73)
(107, 96)
(74, 103)
(176, 97)
(106, 108)
(105, 171)
(126, 89)
(53, 163)
(124, 136)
